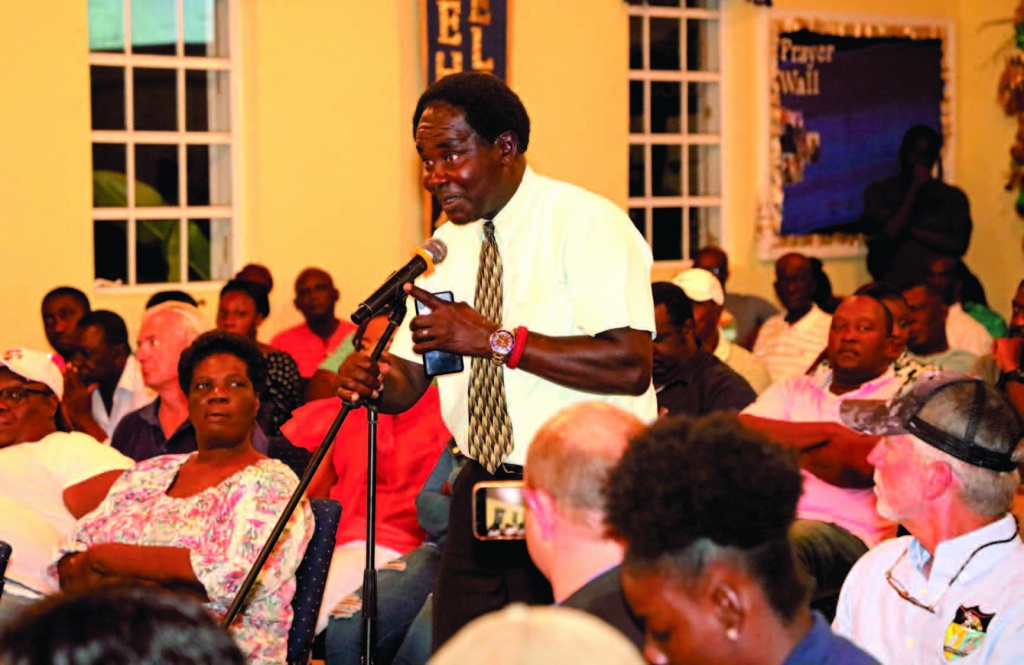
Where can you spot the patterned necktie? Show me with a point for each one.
(490, 428)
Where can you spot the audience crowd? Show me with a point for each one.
(751, 516)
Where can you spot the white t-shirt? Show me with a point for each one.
(33, 477)
(963, 332)
(572, 264)
(789, 350)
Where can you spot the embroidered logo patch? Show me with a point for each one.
(966, 632)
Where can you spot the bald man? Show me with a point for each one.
(567, 465)
(790, 342)
(322, 332)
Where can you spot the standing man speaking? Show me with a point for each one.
(552, 307)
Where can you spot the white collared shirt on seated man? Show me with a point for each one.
(978, 616)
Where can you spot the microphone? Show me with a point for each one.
(429, 254)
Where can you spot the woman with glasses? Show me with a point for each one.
(48, 478)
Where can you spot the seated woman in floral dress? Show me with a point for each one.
(195, 523)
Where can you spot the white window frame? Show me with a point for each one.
(682, 138)
(224, 243)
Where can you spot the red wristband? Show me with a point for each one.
(517, 348)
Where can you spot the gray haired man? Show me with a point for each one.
(946, 469)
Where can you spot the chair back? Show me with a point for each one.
(311, 578)
(5, 556)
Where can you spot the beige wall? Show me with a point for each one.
(329, 173)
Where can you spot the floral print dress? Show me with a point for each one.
(224, 527)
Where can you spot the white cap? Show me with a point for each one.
(700, 285)
(538, 635)
(36, 366)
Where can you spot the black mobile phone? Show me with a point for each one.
(499, 510)
(436, 363)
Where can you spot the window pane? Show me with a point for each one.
(636, 107)
(636, 42)
(207, 95)
(702, 108)
(156, 97)
(156, 174)
(705, 228)
(106, 26)
(154, 27)
(209, 250)
(107, 88)
(209, 175)
(666, 170)
(636, 171)
(665, 107)
(665, 43)
(663, 3)
(206, 28)
(639, 217)
(704, 4)
(109, 164)
(110, 250)
(157, 251)
(702, 45)
(705, 170)
(667, 243)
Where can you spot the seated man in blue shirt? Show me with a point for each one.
(947, 469)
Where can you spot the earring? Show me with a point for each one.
(732, 633)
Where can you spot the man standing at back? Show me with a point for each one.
(321, 332)
(562, 313)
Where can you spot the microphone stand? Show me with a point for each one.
(370, 575)
(398, 309)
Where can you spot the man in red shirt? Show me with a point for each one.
(322, 332)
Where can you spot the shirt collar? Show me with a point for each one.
(515, 205)
(724, 347)
(951, 554)
(866, 389)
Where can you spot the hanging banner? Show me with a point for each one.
(465, 35)
(842, 95)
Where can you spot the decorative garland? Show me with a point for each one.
(1011, 98)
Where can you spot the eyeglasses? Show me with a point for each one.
(16, 394)
(906, 595)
